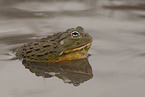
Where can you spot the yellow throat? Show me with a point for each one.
(76, 53)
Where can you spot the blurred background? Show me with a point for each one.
(117, 53)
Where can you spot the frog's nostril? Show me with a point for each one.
(85, 34)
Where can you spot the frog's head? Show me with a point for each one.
(74, 43)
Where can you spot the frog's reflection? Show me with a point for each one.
(74, 72)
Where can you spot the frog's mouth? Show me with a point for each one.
(85, 46)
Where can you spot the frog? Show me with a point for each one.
(71, 44)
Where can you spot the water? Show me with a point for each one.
(117, 53)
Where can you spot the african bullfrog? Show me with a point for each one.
(72, 44)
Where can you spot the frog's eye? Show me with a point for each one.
(75, 34)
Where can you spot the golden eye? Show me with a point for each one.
(75, 34)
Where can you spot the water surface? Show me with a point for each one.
(117, 54)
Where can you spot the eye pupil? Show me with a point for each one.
(75, 34)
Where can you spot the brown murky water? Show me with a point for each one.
(117, 54)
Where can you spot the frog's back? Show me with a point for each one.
(44, 49)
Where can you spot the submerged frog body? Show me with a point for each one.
(72, 44)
